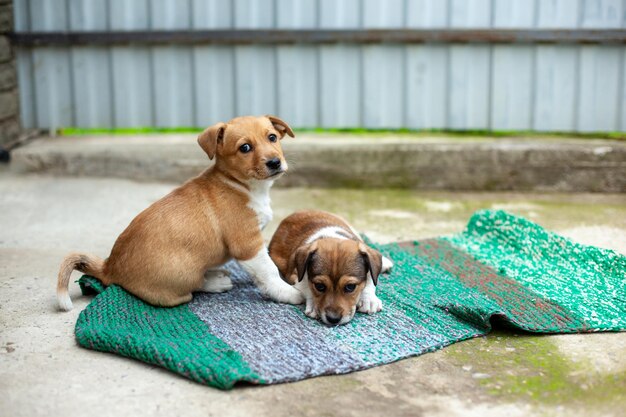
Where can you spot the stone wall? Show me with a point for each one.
(9, 104)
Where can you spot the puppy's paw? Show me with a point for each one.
(284, 294)
(217, 282)
(369, 304)
(311, 311)
(387, 265)
(217, 272)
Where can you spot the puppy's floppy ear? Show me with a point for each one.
(211, 136)
(300, 260)
(373, 261)
(280, 125)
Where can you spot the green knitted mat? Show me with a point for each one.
(440, 291)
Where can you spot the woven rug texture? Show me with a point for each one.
(501, 269)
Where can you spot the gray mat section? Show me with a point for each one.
(277, 340)
(390, 334)
(281, 344)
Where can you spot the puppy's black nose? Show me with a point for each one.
(333, 319)
(273, 163)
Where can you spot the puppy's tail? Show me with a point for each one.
(88, 264)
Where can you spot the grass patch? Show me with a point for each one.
(77, 131)
(466, 133)
(74, 131)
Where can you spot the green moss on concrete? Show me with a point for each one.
(403, 214)
(517, 367)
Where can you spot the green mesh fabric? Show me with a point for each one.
(173, 338)
(588, 282)
(501, 269)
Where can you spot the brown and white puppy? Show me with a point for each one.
(326, 259)
(177, 245)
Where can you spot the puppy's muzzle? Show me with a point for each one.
(273, 164)
(332, 319)
(274, 167)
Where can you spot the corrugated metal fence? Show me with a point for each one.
(426, 86)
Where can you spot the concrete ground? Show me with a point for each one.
(44, 372)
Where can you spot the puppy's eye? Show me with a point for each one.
(349, 287)
(245, 148)
(272, 138)
(320, 287)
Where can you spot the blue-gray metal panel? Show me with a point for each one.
(514, 13)
(51, 67)
(299, 14)
(46, 15)
(172, 67)
(214, 85)
(131, 67)
(172, 86)
(512, 87)
(600, 76)
(558, 13)
(512, 69)
(427, 86)
(622, 98)
(53, 88)
(426, 14)
(92, 87)
(469, 87)
(24, 66)
(383, 14)
(255, 66)
(84, 16)
(170, 14)
(27, 89)
(297, 65)
(384, 67)
(470, 67)
(254, 14)
(470, 13)
(603, 13)
(343, 14)
(556, 86)
(211, 14)
(132, 87)
(556, 69)
(448, 86)
(21, 15)
(91, 71)
(214, 66)
(298, 89)
(129, 15)
(256, 80)
(340, 86)
(599, 88)
(340, 67)
(383, 86)
(427, 68)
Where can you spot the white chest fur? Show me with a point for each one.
(260, 201)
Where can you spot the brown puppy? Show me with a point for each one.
(177, 245)
(330, 264)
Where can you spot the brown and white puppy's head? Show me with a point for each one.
(337, 270)
(248, 147)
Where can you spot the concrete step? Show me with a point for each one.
(436, 163)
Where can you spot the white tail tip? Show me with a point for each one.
(65, 303)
